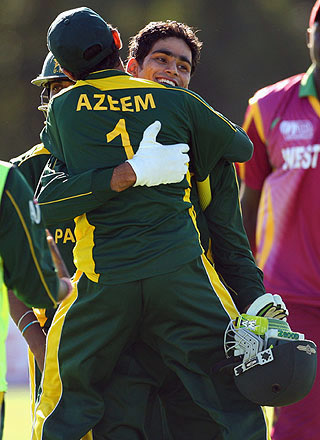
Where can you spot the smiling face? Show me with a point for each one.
(168, 62)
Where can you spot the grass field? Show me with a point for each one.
(17, 425)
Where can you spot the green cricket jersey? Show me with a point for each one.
(31, 164)
(27, 265)
(218, 217)
(219, 220)
(99, 123)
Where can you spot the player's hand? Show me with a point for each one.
(65, 286)
(156, 164)
(270, 306)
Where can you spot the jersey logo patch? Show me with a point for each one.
(295, 130)
(57, 68)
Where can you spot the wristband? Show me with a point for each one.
(21, 317)
(28, 325)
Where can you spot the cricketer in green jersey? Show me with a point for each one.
(25, 262)
(171, 219)
(31, 165)
(167, 44)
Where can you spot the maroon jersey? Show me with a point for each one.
(283, 122)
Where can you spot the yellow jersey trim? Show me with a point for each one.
(37, 150)
(222, 293)
(32, 381)
(191, 210)
(83, 250)
(204, 193)
(40, 315)
(51, 380)
(258, 121)
(119, 82)
(66, 198)
(209, 252)
(315, 104)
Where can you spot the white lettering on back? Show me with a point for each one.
(300, 157)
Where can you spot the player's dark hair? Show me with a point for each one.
(141, 43)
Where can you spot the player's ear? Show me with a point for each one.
(117, 38)
(132, 67)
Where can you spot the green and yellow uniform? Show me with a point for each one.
(108, 128)
(218, 215)
(25, 261)
(32, 164)
(145, 271)
(140, 373)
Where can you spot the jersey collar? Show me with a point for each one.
(307, 86)
(106, 74)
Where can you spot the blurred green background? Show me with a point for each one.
(247, 44)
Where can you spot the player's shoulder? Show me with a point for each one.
(184, 92)
(277, 90)
(35, 153)
(189, 98)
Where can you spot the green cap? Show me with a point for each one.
(73, 32)
(50, 71)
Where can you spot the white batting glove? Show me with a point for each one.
(156, 164)
(270, 306)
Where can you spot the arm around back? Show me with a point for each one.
(230, 247)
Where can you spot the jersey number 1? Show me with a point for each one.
(121, 130)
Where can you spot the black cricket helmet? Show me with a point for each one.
(272, 365)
